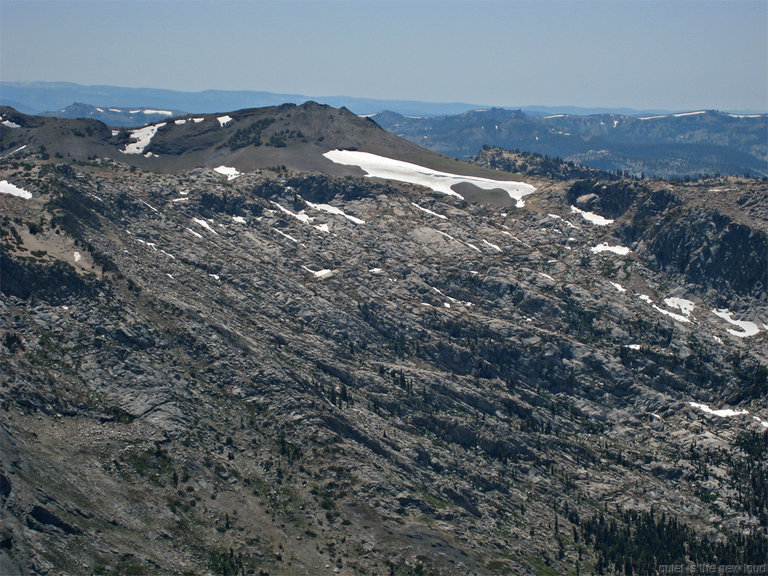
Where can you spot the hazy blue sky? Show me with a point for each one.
(679, 55)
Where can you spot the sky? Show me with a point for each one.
(680, 55)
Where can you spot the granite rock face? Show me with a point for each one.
(294, 372)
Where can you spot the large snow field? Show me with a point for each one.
(382, 167)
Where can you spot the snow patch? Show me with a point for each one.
(197, 120)
(618, 287)
(301, 216)
(228, 171)
(224, 120)
(689, 113)
(442, 182)
(77, 256)
(427, 211)
(180, 122)
(333, 210)
(8, 188)
(747, 328)
(685, 306)
(9, 124)
(592, 217)
(205, 225)
(604, 247)
(494, 246)
(678, 317)
(291, 238)
(161, 112)
(238, 219)
(142, 137)
(723, 413)
(193, 232)
(319, 273)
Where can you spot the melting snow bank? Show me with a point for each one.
(382, 167)
(620, 250)
(592, 217)
(228, 171)
(142, 137)
(747, 328)
(8, 188)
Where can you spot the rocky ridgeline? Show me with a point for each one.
(297, 373)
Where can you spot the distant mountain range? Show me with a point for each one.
(39, 97)
(653, 143)
(665, 145)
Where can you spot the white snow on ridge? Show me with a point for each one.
(8, 188)
(197, 120)
(9, 124)
(142, 137)
(223, 120)
(382, 167)
(228, 171)
(747, 328)
(333, 210)
(592, 217)
(161, 112)
(689, 113)
(620, 250)
(180, 122)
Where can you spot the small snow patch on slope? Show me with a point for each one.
(620, 250)
(426, 211)
(319, 273)
(677, 317)
(595, 219)
(224, 120)
(442, 182)
(724, 413)
(9, 124)
(228, 171)
(747, 328)
(205, 225)
(333, 210)
(8, 188)
(685, 306)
